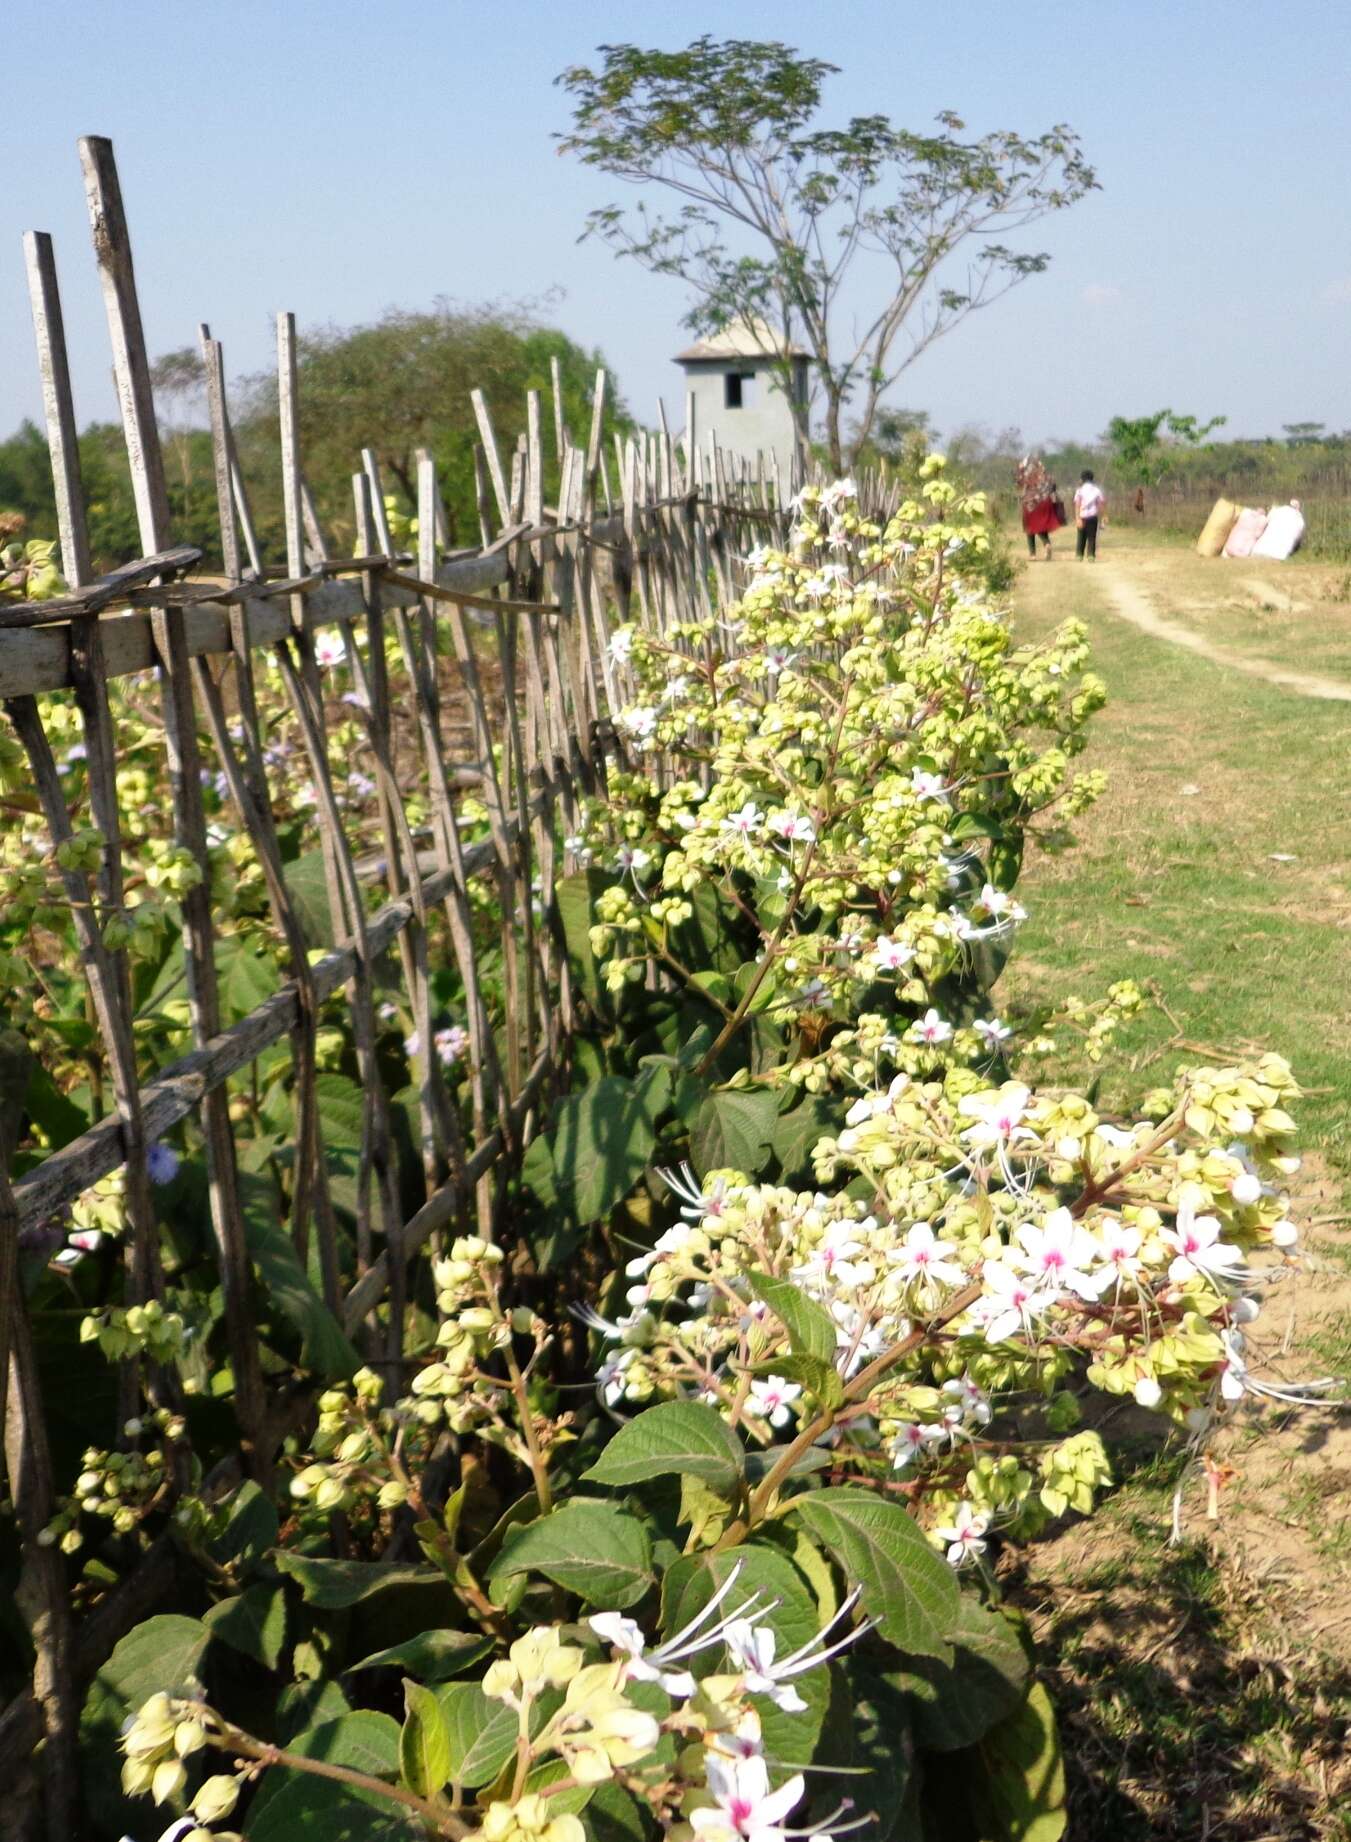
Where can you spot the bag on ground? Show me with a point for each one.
(1214, 535)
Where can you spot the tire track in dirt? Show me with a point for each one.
(1128, 600)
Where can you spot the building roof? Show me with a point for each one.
(750, 338)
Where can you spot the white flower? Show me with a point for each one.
(997, 1116)
(772, 1399)
(632, 857)
(999, 904)
(330, 648)
(1237, 1379)
(752, 1647)
(991, 1031)
(912, 1441)
(930, 1028)
(925, 785)
(624, 1635)
(1012, 1301)
(964, 1536)
(638, 722)
(1120, 1247)
(834, 1261)
(621, 644)
(920, 1257)
(744, 1808)
(814, 996)
(746, 822)
(793, 827)
(891, 955)
(968, 1399)
(1059, 1254)
(1198, 1248)
(778, 660)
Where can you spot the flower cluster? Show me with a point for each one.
(119, 1488)
(851, 756)
(976, 1251)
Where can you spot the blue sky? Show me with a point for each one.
(336, 159)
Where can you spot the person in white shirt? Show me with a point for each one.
(1090, 502)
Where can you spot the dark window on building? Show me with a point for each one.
(735, 394)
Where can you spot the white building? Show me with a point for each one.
(735, 387)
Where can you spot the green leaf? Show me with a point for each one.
(253, 1621)
(955, 1705)
(615, 1815)
(575, 898)
(292, 1804)
(246, 977)
(789, 1611)
(591, 1547)
(434, 1656)
(908, 1588)
(424, 1742)
(1021, 1795)
(811, 1329)
(601, 1141)
(883, 1754)
(732, 1130)
(308, 884)
(332, 1585)
(250, 1528)
(318, 1810)
(796, 1135)
(481, 1732)
(676, 1436)
(341, 1107)
(163, 1653)
(324, 1346)
(311, 1703)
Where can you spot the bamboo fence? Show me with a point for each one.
(656, 541)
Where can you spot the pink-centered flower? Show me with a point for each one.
(996, 1118)
(964, 1536)
(892, 955)
(920, 1256)
(1060, 1253)
(772, 1399)
(1199, 1251)
(930, 1028)
(1012, 1300)
(744, 1809)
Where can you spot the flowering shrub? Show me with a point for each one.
(680, 1518)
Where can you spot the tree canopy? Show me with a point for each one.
(1145, 447)
(781, 220)
(401, 383)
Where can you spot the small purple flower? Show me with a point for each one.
(161, 1162)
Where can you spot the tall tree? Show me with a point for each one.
(1145, 448)
(403, 382)
(779, 219)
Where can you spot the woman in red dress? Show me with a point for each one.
(1042, 512)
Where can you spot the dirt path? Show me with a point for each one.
(1131, 600)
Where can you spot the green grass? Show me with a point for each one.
(1177, 879)
(1192, 1702)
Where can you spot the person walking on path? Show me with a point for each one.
(1042, 510)
(1090, 502)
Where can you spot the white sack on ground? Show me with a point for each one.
(1284, 533)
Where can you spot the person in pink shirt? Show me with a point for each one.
(1090, 503)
